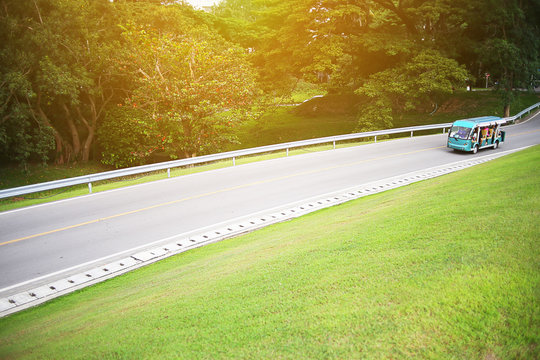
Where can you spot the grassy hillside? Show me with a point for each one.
(444, 268)
(336, 115)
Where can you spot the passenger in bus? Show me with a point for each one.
(474, 135)
(484, 136)
(489, 135)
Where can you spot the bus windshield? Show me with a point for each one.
(460, 132)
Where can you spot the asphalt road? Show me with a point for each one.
(46, 242)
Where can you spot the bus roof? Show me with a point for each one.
(480, 121)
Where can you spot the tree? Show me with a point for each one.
(374, 48)
(23, 136)
(76, 76)
(124, 137)
(66, 65)
(509, 48)
(192, 86)
(427, 77)
(401, 61)
(65, 60)
(277, 33)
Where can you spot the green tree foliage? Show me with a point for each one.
(510, 46)
(66, 64)
(278, 34)
(125, 138)
(186, 85)
(426, 78)
(376, 47)
(159, 76)
(63, 59)
(22, 135)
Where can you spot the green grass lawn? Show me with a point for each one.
(446, 268)
(465, 104)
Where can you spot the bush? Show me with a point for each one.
(125, 139)
(377, 116)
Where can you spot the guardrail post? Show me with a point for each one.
(411, 133)
(375, 138)
(233, 161)
(287, 151)
(169, 173)
(89, 187)
(334, 142)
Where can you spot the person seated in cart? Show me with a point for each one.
(484, 136)
(478, 133)
(490, 134)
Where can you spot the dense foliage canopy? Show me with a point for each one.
(123, 80)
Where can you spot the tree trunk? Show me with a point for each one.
(508, 96)
(75, 139)
(59, 156)
(63, 150)
(91, 127)
(506, 110)
(190, 149)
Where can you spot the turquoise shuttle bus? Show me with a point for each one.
(478, 133)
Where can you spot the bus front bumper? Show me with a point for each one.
(462, 147)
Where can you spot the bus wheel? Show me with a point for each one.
(496, 145)
(475, 149)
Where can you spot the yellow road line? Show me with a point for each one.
(214, 193)
(524, 133)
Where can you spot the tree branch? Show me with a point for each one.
(39, 13)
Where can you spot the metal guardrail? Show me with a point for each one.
(168, 165)
(526, 111)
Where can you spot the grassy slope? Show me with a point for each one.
(336, 115)
(445, 268)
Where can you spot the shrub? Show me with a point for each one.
(124, 138)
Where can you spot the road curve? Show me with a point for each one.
(51, 241)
